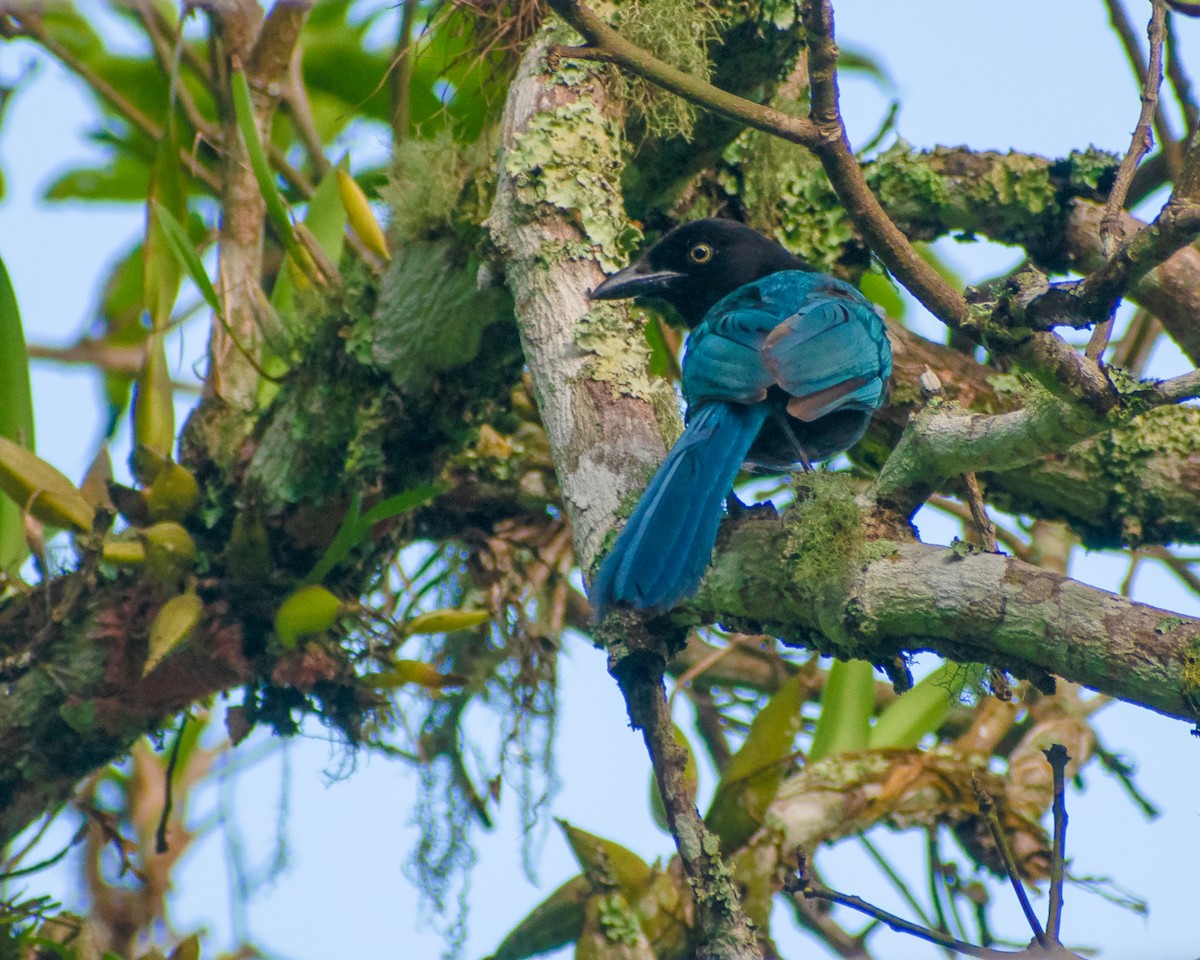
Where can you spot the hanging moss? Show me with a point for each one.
(677, 33)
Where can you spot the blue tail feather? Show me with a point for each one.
(661, 555)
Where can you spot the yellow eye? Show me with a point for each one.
(700, 253)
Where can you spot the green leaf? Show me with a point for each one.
(162, 268)
(879, 289)
(326, 221)
(553, 923)
(607, 858)
(124, 179)
(752, 777)
(924, 708)
(277, 209)
(356, 526)
(16, 415)
(186, 256)
(846, 708)
(446, 621)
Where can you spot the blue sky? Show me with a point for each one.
(1035, 76)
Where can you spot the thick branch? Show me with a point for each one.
(971, 608)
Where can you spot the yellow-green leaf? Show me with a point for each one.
(154, 402)
(924, 708)
(309, 610)
(37, 487)
(16, 415)
(553, 923)
(171, 626)
(445, 621)
(124, 552)
(752, 777)
(188, 949)
(170, 551)
(599, 856)
(402, 672)
(173, 494)
(361, 216)
(846, 708)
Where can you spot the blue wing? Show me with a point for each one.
(813, 336)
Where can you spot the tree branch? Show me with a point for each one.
(972, 608)
(1151, 81)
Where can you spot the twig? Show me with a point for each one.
(1057, 757)
(295, 97)
(987, 806)
(898, 883)
(1139, 145)
(168, 50)
(804, 885)
(846, 177)
(1013, 543)
(979, 514)
(639, 673)
(1171, 150)
(710, 726)
(160, 835)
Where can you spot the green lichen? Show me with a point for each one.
(1088, 173)
(570, 159)
(1143, 496)
(1168, 623)
(912, 189)
(618, 921)
(616, 353)
(1190, 675)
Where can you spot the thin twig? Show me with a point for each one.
(296, 100)
(1171, 149)
(1058, 757)
(1013, 543)
(987, 806)
(805, 886)
(160, 835)
(168, 50)
(983, 523)
(898, 883)
(1139, 146)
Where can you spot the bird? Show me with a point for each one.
(784, 366)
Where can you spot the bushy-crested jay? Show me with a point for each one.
(784, 366)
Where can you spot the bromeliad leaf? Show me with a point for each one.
(752, 776)
(16, 414)
(846, 708)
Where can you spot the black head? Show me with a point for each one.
(697, 264)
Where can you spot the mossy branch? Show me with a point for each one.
(966, 606)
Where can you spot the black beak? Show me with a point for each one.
(637, 280)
